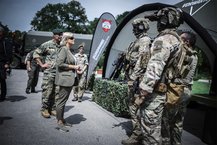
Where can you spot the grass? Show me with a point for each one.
(200, 88)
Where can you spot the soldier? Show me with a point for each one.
(33, 70)
(49, 49)
(5, 61)
(82, 61)
(137, 56)
(173, 117)
(152, 88)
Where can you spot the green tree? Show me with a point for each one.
(92, 25)
(6, 29)
(120, 17)
(70, 17)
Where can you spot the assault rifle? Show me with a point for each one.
(119, 64)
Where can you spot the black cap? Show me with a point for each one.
(57, 31)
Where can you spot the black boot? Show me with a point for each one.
(27, 91)
(33, 90)
(74, 99)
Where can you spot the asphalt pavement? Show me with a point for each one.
(22, 124)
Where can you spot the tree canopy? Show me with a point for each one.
(120, 17)
(70, 17)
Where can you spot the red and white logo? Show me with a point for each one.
(106, 25)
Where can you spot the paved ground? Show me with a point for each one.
(22, 124)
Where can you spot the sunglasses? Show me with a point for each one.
(71, 38)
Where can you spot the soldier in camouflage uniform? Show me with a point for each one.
(49, 49)
(33, 70)
(152, 97)
(82, 61)
(137, 56)
(173, 117)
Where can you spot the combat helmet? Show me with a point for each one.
(140, 25)
(172, 17)
(168, 17)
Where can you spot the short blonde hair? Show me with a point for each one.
(65, 37)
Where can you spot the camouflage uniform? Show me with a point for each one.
(79, 88)
(172, 122)
(48, 49)
(138, 55)
(163, 49)
(33, 73)
(151, 110)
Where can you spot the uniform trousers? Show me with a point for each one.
(133, 110)
(33, 77)
(49, 92)
(172, 120)
(151, 116)
(79, 86)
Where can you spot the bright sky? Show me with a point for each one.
(18, 14)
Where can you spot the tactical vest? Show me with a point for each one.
(179, 62)
(178, 66)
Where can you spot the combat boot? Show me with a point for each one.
(33, 90)
(53, 112)
(132, 140)
(27, 91)
(79, 100)
(45, 113)
(74, 99)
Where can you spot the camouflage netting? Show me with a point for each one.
(112, 96)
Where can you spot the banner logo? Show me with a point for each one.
(106, 25)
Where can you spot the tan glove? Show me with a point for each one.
(139, 99)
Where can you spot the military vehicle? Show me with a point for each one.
(34, 39)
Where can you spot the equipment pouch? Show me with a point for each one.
(173, 94)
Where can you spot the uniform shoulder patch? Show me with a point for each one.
(157, 46)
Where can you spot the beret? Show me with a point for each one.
(57, 31)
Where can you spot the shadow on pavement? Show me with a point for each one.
(15, 98)
(75, 119)
(38, 91)
(85, 98)
(3, 118)
(67, 108)
(127, 126)
(88, 92)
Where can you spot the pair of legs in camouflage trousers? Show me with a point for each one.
(136, 134)
(79, 87)
(33, 79)
(49, 93)
(151, 118)
(172, 121)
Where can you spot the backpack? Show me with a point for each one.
(178, 66)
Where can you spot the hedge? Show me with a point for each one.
(112, 96)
